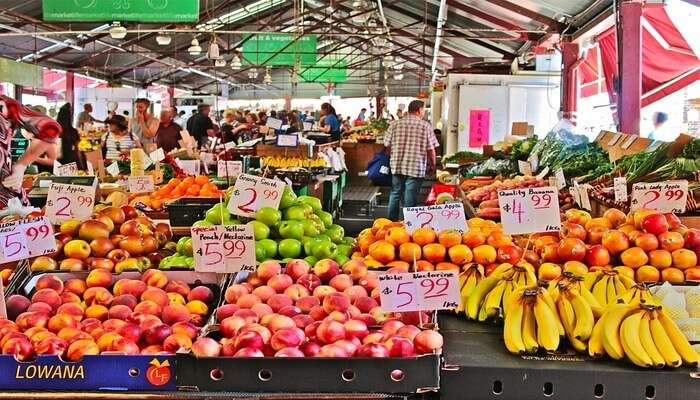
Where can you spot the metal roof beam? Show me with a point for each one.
(493, 19)
(526, 12)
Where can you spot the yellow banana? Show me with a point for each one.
(596, 307)
(631, 343)
(512, 330)
(590, 278)
(482, 313)
(568, 320)
(547, 331)
(647, 298)
(627, 281)
(600, 290)
(494, 299)
(680, 343)
(543, 295)
(502, 270)
(510, 286)
(529, 277)
(467, 289)
(584, 316)
(620, 288)
(555, 292)
(595, 342)
(529, 329)
(477, 296)
(648, 342)
(611, 294)
(612, 319)
(663, 343)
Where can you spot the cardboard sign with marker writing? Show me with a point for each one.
(224, 249)
(66, 201)
(530, 210)
(665, 197)
(26, 238)
(439, 217)
(228, 168)
(415, 291)
(251, 193)
(141, 184)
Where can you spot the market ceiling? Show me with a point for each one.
(476, 35)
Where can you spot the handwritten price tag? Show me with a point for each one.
(14, 247)
(224, 249)
(141, 184)
(525, 168)
(228, 168)
(35, 237)
(113, 169)
(191, 167)
(251, 193)
(429, 290)
(70, 169)
(66, 201)
(620, 188)
(668, 196)
(273, 123)
(439, 217)
(157, 155)
(560, 179)
(287, 140)
(529, 210)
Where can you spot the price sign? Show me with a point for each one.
(534, 162)
(141, 184)
(287, 140)
(560, 179)
(34, 236)
(529, 210)
(157, 155)
(308, 126)
(66, 201)
(582, 191)
(543, 173)
(191, 167)
(273, 123)
(525, 168)
(113, 169)
(429, 290)
(228, 168)
(668, 196)
(224, 249)
(251, 193)
(70, 169)
(439, 217)
(620, 188)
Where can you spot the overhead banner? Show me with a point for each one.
(326, 71)
(20, 73)
(121, 10)
(280, 49)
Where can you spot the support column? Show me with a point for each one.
(70, 88)
(171, 97)
(287, 103)
(569, 101)
(630, 61)
(380, 108)
(18, 93)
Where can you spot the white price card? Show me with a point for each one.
(534, 162)
(113, 169)
(141, 184)
(308, 126)
(584, 199)
(224, 249)
(66, 201)
(525, 168)
(542, 173)
(415, 291)
(665, 197)
(251, 193)
(620, 188)
(157, 155)
(273, 123)
(529, 210)
(287, 140)
(70, 169)
(560, 179)
(13, 247)
(439, 217)
(573, 190)
(191, 167)
(228, 168)
(34, 234)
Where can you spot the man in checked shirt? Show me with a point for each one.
(411, 144)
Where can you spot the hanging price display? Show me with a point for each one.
(223, 249)
(428, 290)
(287, 140)
(141, 184)
(620, 188)
(439, 217)
(26, 238)
(113, 169)
(228, 168)
(665, 197)
(251, 193)
(529, 210)
(66, 201)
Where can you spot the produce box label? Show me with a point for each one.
(287, 140)
(439, 217)
(665, 197)
(416, 291)
(251, 193)
(223, 249)
(525, 168)
(228, 168)
(529, 210)
(26, 238)
(66, 201)
(141, 184)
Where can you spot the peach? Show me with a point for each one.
(248, 315)
(128, 300)
(50, 282)
(96, 334)
(89, 324)
(7, 326)
(332, 351)
(155, 277)
(336, 302)
(119, 312)
(391, 326)
(248, 300)
(296, 291)
(379, 314)
(113, 324)
(145, 321)
(20, 347)
(51, 346)
(427, 342)
(48, 296)
(12, 335)
(267, 269)
(186, 328)
(179, 287)
(197, 307)
(251, 339)
(201, 293)
(40, 307)
(357, 269)
(288, 337)
(104, 342)
(176, 298)
(261, 330)
(672, 275)
(206, 347)
(148, 307)
(31, 331)
(280, 282)
(400, 347)
(234, 292)
(68, 297)
(278, 301)
(330, 331)
(60, 321)
(408, 331)
(177, 341)
(341, 282)
(311, 329)
(323, 290)
(296, 268)
(660, 259)
(355, 328)
(278, 322)
(30, 319)
(338, 316)
(229, 327)
(370, 281)
(124, 346)
(156, 295)
(292, 352)
(310, 349)
(365, 304)
(289, 311)
(75, 285)
(264, 292)
(306, 303)
(130, 331)
(684, 259)
(309, 281)
(70, 335)
(98, 295)
(152, 350)
(157, 334)
(16, 305)
(99, 278)
(261, 309)
(133, 287)
(355, 292)
(80, 348)
(226, 311)
(248, 352)
(351, 345)
(317, 313)
(302, 320)
(326, 269)
(97, 311)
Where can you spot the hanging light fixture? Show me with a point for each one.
(195, 49)
(117, 31)
(398, 76)
(220, 62)
(253, 74)
(267, 79)
(236, 62)
(163, 39)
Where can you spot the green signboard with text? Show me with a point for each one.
(280, 49)
(121, 10)
(326, 70)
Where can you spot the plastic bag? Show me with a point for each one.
(662, 291)
(15, 207)
(674, 304)
(692, 297)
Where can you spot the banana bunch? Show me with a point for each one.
(638, 294)
(293, 162)
(644, 334)
(569, 280)
(576, 316)
(531, 322)
(491, 294)
(469, 277)
(607, 285)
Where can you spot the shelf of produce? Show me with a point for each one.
(475, 359)
(265, 150)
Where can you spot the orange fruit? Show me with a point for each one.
(647, 273)
(449, 238)
(634, 257)
(434, 252)
(484, 254)
(499, 239)
(671, 241)
(422, 265)
(423, 236)
(460, 254)
(397, 236)
(445, 266)
(364, 241)
(156, 204)
(382, 251)
(615, 241)
(409, 252)
(174, 182)
(201, 180)
(379, 223)
(672, 275)
(188, 181)
(660, 259)
(399, 264)
(684, 259)
(599, 221)
(615, 216)
(473, 238)
(647, 242)
(549, 271)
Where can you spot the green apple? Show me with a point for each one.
(260, 254)
(268, 216)
(296, 212)
(309, 245)
(184, 246)
(270, 247)
(344, 249)
(341, 259)
(289, 248)
(324, 250)
(311, 260)
(325, 217)
(324, 237)
(310, 228)
(260, 230)
(314, 202)
(217, 214)
(189, 262)
(288, 198)
(203, 222)
(179, 261)
(291, 230)
(305, 239)
(336, 233)
(172, 246)
(349, 240)
(166, 263)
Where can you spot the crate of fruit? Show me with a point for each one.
(101, 331)
(328, 320)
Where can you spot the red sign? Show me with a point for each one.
(479, 127)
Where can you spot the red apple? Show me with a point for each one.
(655, 223)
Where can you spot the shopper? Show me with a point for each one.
(119, 140)
(85, 117)
(294, 124)
(168, 133)
(247, 130)
(361, 117)
(331, 124)
(144, 126)
(200, 125)
(411, 144)
(69, 137)
(659, 132)
(262, 118)
(227, 126)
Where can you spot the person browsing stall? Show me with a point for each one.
(200, 125)
(168, 133)
(144, 126)
(331, 123)
(119, 141)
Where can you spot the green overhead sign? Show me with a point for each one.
(326, 71)
(121, 10)
(280, 49)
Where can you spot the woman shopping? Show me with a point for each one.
(331, 124)
(119, 140)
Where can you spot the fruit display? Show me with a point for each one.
(88, 314)
(183, 257)
(191, 186)
(114, 238)
(320, 310)
(280, 162)
(367, 132)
